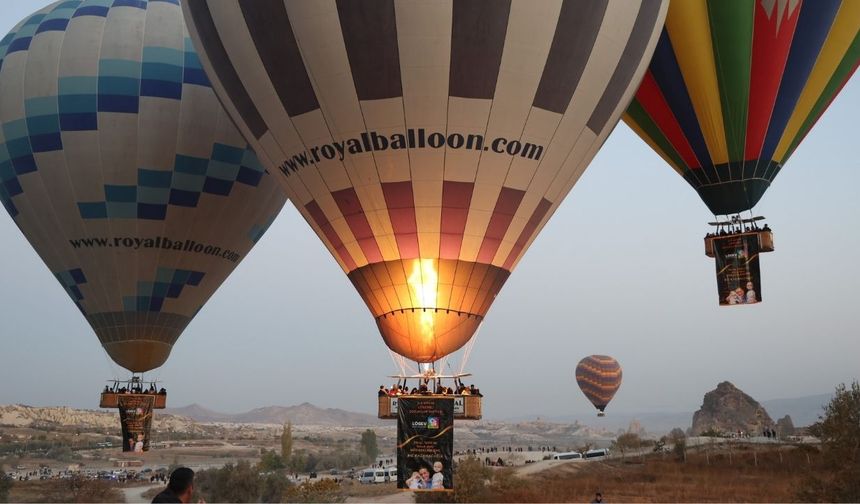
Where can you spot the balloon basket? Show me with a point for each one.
(468, 401)
(765, 241)
(111, 396)
(601, 414)
(466, 407)
(112, 399)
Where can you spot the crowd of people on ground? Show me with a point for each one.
(508, 449)
(767, 432)
(134, 389)
(158, 478)
(426, 388)
(494, 463)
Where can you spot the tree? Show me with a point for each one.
(287, 441)
(270, 461)
(628, 442)
(368, 445)
(231, 483)
(677, 434)
(273, 487)
(680, 450)
(297, 461)
(839, 431)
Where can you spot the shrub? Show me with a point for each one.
(5, 485)
(324, 490)
(83, 490)
(840, 437)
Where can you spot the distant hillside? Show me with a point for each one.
(302, 414)
(19, 415)
(803, 410)
(199, 413)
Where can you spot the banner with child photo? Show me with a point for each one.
(425, 443)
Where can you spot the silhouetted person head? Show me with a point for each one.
(179, 488)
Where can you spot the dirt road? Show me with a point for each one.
(399, 497)
(135, 494)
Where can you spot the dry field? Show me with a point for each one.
(739, 475)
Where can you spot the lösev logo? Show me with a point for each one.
(413, 139)
(159, 242)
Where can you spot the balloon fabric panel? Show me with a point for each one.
(122, 170)
(734, 86)
(426, 143)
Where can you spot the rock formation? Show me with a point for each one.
(728, 409)
(784, 426)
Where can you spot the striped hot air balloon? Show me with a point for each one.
(426, 142)
(735, 86)
(122, 170)
(599, 377)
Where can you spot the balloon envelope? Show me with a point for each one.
(122, 170)
(734, 87)
(599, 377)
(426, 143)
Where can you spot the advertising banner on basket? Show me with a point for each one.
(425, 443)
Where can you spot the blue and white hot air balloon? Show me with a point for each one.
(121, 168)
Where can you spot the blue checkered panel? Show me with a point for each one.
(71, 280)
(120, 166)
(168, 284)
(190, 178)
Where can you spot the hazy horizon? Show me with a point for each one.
(620, 270)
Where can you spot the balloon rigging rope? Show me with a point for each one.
(468, 351)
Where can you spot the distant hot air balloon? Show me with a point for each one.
(599, 377)
(733, 88)
(426, 143)
(120, 167)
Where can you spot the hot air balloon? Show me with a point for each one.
(732, 90)
(426, 143)
(122, 170)
(599, 378)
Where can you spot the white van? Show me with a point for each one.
(367, 476)
(372, 475)
(567, 456)
(602, 452)
(391, 474)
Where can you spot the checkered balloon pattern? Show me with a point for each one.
(121, 168)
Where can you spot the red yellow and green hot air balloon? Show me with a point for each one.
(733, 88)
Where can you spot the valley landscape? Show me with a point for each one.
(45, 446)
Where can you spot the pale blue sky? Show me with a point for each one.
(619, 269)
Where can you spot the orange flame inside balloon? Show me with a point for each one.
(424, 282)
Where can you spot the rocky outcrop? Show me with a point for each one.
(784, 426)
(635, 427)
(728, 409)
